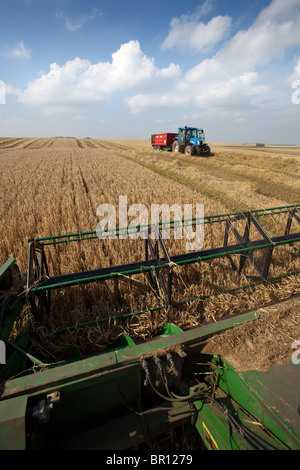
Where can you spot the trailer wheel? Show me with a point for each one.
(189, 150)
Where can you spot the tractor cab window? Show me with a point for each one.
(200, 134)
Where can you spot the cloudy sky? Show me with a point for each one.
(116, 69)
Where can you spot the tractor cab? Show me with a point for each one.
(191, 135)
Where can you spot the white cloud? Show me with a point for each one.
(79, 117)
(172, 71)
(204, 9)
(232, 77)
(187, 33)
(19, 51)
(279, 11)
(261, 44)
(276, 28)
(71, 26)
(230, 80)
(296, 74)
(79, 82)
(74, 24)
(236, 91)
(143, 102)
(13, 121)
(239, 91)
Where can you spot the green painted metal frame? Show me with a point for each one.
(10, 308)
(73, 371)
(271, 419)
(147, 269)
(104, 382)
(5, 268)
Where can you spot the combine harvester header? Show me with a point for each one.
(136, 391)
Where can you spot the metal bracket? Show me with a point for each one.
(159, 280)
(245, 242)
(292, 215)
(37, 270)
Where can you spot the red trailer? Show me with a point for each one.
(162, 141)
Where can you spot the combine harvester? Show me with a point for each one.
(132, 393)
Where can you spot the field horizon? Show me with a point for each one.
(212, 142)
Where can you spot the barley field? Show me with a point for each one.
(53, 186)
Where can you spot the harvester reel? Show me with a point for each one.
(238, 241)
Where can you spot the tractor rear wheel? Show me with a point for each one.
(206, 150)
(176, 147)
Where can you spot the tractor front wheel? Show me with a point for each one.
(189, 150)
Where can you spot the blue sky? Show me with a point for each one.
(127, 69)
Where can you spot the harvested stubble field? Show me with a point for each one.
(54, 186)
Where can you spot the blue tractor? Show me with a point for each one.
(191, 141)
